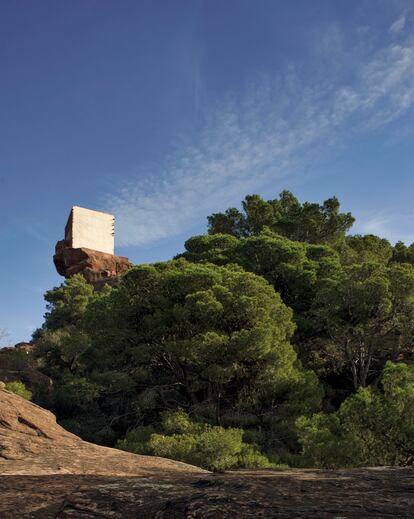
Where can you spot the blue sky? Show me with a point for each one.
(163, 111)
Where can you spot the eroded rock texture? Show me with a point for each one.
(95, 266)
(46, 472)
(32, 443)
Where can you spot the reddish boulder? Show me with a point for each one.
(95, 266)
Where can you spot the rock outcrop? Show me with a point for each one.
(47, 472)
(95, 266)
(32, 443)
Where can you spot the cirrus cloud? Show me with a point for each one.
(248, 143)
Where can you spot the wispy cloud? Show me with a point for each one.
(247, 144)
(392, 225)
(398, 25)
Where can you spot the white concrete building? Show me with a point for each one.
(90, 229)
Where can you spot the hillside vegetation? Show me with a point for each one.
(276, 338)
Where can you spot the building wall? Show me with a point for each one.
(68, 227)
(91, 229)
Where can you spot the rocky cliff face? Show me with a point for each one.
(47, 472)
(95, 266)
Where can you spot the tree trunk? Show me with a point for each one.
(218, 420)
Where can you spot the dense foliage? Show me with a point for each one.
(375, 426)
(352, 313)
(275, 338)
(308, 222)
(212, 447)
(18, 388)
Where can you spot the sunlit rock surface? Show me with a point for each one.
(94, 266)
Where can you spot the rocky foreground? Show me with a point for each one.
(46, 472)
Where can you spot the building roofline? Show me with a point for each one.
(92, 210)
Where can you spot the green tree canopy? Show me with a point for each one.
(371, 428)
(67, 303)
(403, 254)
(308, 222)
(364, 317)
(366, 248)
(214, 340)
(203, 333)
(223, 331)
(294, 269)
(352, 306)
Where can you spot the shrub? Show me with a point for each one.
(211, 447)
(251, 458)
(19, 389)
